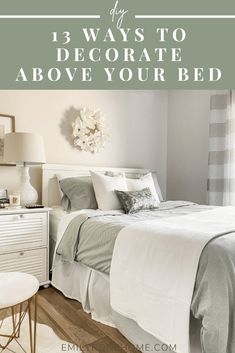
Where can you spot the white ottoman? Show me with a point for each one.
(18, 291)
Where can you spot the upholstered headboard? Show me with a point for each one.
(50, 189)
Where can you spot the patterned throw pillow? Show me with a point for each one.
(134, 201)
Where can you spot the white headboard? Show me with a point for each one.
(50, 189)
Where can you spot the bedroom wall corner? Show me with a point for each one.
(187, 145)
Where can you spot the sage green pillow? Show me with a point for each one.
(78, 193)
(135, 201)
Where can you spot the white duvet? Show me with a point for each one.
(154, 268)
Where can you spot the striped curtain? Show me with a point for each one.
(221, 178)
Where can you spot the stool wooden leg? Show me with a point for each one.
(20, 315)
(13, 318)
(30, 326)
(16, 323)
(35, 319)
(32, 332)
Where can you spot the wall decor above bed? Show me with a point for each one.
(90, 131)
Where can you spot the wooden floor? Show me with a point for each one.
(67, 318)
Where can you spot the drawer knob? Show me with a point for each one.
(21, 253)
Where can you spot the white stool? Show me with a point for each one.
(18, 291)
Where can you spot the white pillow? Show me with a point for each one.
(104, 187)
(146, 181)
(157, 187)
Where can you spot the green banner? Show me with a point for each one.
(117, 45)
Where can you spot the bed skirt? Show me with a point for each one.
(91, 289)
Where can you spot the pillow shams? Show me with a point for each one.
(65, 202)
(146, 181)
(157, 186)
(105, 187)
(134, 201)
(80, 193)
(153, 185)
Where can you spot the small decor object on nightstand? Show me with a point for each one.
(14, 200)
(3, 194)
(3, 198)
(34, 206)
(25, 149)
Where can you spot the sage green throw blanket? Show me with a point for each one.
(90, 239)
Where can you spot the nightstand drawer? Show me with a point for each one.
(26, 231)
(34, 262)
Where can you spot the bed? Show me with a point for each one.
(87, 279)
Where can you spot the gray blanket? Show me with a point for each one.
(90, 239)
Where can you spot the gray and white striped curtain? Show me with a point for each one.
(221, 178)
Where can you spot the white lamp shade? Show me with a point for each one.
(24, 147)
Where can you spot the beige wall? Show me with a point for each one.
(137, 119)
(165, 131)
(187, 148)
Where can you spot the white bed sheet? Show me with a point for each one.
(56, 215)
(60, 218)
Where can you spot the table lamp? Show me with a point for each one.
(25, 149)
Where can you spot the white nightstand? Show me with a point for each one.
(24, 242)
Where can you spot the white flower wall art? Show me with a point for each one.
(90, 131)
